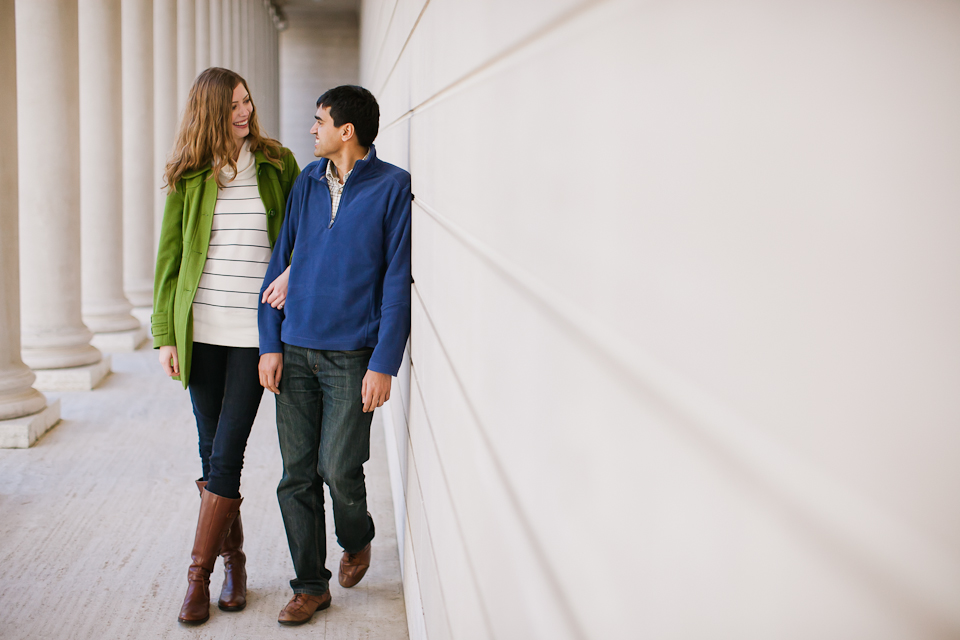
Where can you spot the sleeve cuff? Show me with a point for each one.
(271, 347)
(382, 367)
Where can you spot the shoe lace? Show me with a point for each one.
(299, 599)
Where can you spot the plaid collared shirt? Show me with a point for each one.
(336, 189)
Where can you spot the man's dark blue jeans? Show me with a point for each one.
(324, 436)
(225, 390)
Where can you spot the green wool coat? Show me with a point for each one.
(185, 237)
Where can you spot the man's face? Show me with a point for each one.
(328, 139)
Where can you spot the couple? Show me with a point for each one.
(295, 282)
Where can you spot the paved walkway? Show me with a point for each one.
(97, 523)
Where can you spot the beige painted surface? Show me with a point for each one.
(316, 53)
(97, 522)
(684, 347)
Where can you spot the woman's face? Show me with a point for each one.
(242, 108)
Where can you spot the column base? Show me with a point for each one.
(82, 378)
(117, 341)
(141, 297)
(143, 315)
(21, 433)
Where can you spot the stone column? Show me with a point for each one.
(105, 309)
(186, 50)
(259, 52)
(275, 76)
(24, 414)
(216, 33)
(250, 43)
(226, 33)
(235, 63)
(203, 36)
(244, 38)
(164, 99)
(139, 180)
(48, 94)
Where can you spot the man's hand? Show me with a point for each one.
(169, 361)
(271, 366)
(375, 389)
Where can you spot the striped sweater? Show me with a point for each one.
(225, 307)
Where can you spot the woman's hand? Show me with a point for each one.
(276, 293)
(169, 361)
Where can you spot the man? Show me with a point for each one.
(329, 350)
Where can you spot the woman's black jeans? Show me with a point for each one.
(225, 390)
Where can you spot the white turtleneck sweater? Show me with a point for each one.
(225, 307)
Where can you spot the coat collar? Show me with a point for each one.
(259, 158)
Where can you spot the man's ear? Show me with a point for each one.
(347, 132)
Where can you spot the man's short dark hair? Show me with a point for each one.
(356, 105)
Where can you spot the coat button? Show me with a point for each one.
(270, 213)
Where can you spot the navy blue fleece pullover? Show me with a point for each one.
(349, 282)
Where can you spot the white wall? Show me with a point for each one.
(685, 349)
(317, 52)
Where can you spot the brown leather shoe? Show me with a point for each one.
(216, 515)
(302, 607)
(353, 566)
(233, 593)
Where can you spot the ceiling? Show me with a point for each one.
(297, 8)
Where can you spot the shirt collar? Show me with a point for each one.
(332, 171)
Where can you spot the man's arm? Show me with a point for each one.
(395, 308)
(269, 319)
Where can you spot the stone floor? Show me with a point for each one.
(97, 522)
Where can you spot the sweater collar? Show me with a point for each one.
(319, 172)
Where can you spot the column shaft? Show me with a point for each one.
(245, 38)
(216, 33)
(226, 33)
(186, 50)
(105, 308)
(164, 98)
(53, 334)
(17, 396)
(139, 179)
(235, 40)
(203, 35)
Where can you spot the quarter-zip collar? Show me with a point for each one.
(319, 171)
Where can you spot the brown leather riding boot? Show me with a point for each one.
(216, 515)
(233, 593)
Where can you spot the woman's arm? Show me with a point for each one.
(169, 257)
(276, 293)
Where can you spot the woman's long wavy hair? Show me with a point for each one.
(206, 135)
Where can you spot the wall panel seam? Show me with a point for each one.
(406, 42)
(394, 464)
(383, 41)
(416, 571)
(833, 516)
(541, 558)
(416, 472)
(498, 59)
(453, 508)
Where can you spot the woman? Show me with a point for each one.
(227, 189)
